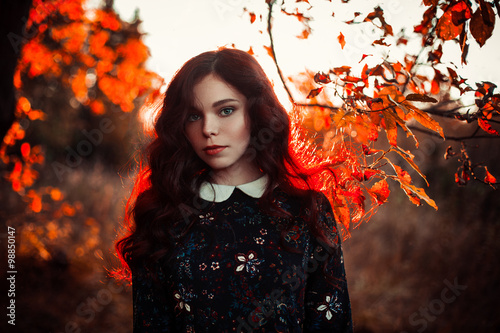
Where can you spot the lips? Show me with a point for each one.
(213, 150)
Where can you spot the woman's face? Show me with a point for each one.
(218, 129)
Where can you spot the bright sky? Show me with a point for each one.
(179, 30)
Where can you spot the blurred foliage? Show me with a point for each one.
(81, 79)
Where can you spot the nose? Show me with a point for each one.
(210, 126)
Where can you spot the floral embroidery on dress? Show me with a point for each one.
(330, 306)
(259, 240)
(206, 218)
(248, 262)
(183, 297)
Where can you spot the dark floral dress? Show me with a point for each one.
(233, 274)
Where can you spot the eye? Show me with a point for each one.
(226, 111)
(193, 117)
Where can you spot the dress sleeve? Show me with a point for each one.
(327, 304)
(150, 307)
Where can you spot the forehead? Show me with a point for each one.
(211, 89)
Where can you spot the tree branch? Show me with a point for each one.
(454, 138)
(270, 5)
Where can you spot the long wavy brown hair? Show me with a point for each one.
(165, 194)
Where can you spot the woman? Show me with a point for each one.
(227, 234)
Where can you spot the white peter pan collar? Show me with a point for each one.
(220, 193)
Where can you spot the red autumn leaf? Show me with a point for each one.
(482, 24)
(55, 194)
(252, 17)
(402, 40)
(379, 13)
(368, 173)
(352, 79)
(341, 70)
(25, 150)
(403, 175)
(313, 93)
(341, 40)
(108, 19)
(356, 173)
(305, 33)
(445, 29)
(269, 51)
(322, 78)
(460, 13)
(356, 195)
(435, 55)
(462, 177)
(380, 41)
(36, 201)
(489, 177)
(364, 56)
(420, 98)
(426, 24)
(380, 191)
(435, 87)
(485, 89)
(368, 151)
(431, 2)
(486, 126)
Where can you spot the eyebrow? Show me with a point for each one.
(223, 101)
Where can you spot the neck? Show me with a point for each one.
(235, 177)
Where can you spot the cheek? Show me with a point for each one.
(190, 134)
(244, 133)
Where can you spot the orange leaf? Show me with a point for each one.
(24, 104)
(322, 78)
(68, 210)
(485, 126)
(425, 120)
(252, 17)
(420, 98)
(341, 40)
(305, 33)
(368, 173)
(56, 194)
(36, 203)
(482, 24)
(313, 93)
(435, 87)
(380, 191)
(97, 107)
(489, 177)
(445, 29)
(269, 51)
(416, 194)
(78, 84)
(25, 150)
(391, 130)
(402, 174)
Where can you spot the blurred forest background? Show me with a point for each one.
(75, 81)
